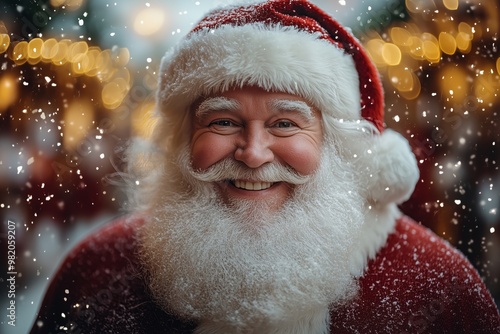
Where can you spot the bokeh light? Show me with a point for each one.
(81, 72)
(149, 21)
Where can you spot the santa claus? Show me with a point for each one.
(266, 200)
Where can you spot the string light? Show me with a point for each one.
(404, 49)
(108, 66)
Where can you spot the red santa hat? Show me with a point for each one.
(290, 46)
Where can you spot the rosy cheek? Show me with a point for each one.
(303, 157)
(209, 149)
(198, 158)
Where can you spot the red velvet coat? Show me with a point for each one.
(416, 284)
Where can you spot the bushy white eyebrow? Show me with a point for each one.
(293, 105)
(216, 104)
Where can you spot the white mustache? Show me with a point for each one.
(230, 169)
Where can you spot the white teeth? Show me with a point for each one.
(252, 185)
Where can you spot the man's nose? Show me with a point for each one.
(254, 147)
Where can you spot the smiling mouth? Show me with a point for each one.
(254, 186)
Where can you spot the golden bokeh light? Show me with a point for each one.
(77, 51)
(108, 66)
(374, 48)
(20, 53)
(122, 57)
(401, 78)
(35, 48)
(464, 37)
(486, 87)
(84, 59)
(114, 92)
(57, 3)
(149, 21)
(49, 49)
(391, 54)
(81, 65)
(9, 91)
(405, 81)
(67, 4)
(417, 48)
(104, 65)
(463, 42)
(4, 42)
(77, 120)
(400, 36)
(453, 84)
(466, 29)
(60, 58)
(447, 43)
(34, 51)
(415, 92)
(430, 47)
(413, 5)
(405, 48)
(92, 68)
(451, 4)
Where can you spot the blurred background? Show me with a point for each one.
(77, 81)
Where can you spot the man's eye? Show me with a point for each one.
(284, 124)
(224, 126)
(222, 122)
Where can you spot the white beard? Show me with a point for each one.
(248, 269)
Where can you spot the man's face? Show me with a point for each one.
(276, 237)
(256, 128)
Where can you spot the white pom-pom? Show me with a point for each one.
(390, 169)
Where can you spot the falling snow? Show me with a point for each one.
(57, 189)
